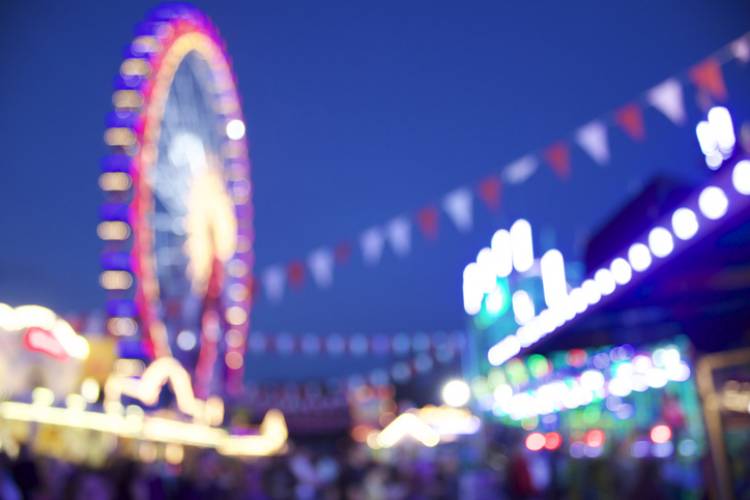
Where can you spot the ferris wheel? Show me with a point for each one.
(177, 220)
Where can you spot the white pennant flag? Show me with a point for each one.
(593, 139)
(458, 205)
(520, 170)
(321, 267)
(273, 281)
(667, 98)
(372, 242)
(399, 235)
(741, 49)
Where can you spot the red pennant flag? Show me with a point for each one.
(427, 218)
(296, 273)
(558, 157)
(708, 78)
(254, 286)
(630, 118)
(342, 252)
(489, 192)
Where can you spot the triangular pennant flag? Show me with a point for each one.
(459, 206)
(372, 245)
(399, 235)
(427, 218)
(630, 118)
(667, 98)
(708, 78)
(295, 272)
(489, 191)
(520, 170)
(558, 157)
(321, 267)
(741, 49)
(342, 252)
(593, 139)
(273, 282)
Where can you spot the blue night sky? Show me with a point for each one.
(357, 112)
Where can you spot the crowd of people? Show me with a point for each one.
(332, 473)
(300, 474)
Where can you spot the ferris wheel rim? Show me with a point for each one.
(161, 45)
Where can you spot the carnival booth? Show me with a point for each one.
(596, 362)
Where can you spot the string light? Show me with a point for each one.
(522, 245)
(684, 223)
(713, 202)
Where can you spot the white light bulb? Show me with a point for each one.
(523, 307)
(605, 281)
(621, 271)
(554, 284)
(186, 340)
(741, 177)
(660, 241)
(639, 257)
(235, 129)
(522, 244)
(684, 223)
(591, 291)
(721, 124)
(502, 257)
(456, 393)
(706, 138)
(713, 202)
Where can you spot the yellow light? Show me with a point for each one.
(236, 315)
(90, 390)
(145, 43)
(134, 411)
(147, 452)
(270, 440)
(42, 396)
(407, 425)
(115, 181)
(237, 268)
(235, 338)
(113, 230)
(116, 280)
(233, 149)
(129, 99)
(237, 292)
(234, 360)
(119, 136)
(173, 453)
(122, 327)
(135, 67)
(75, 402)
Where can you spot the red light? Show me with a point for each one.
(40, 340)
(576, 357)
(660, 434)
(535, 441)
(553, 440)
(595, 438)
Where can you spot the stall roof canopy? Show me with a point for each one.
(704, 292)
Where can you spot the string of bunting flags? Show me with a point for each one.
(331, 393)
(458, 205)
